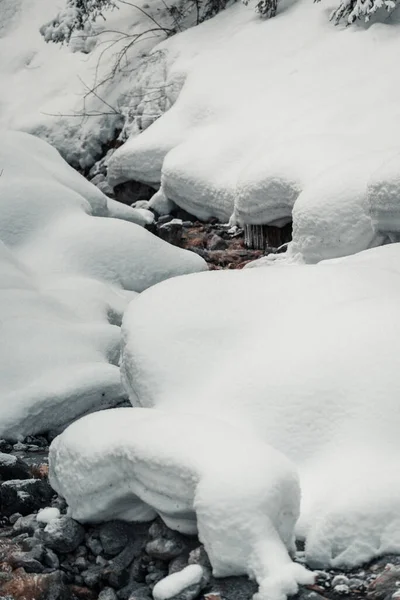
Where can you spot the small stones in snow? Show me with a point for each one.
(63, 534)
(185, 585)
(46, 515)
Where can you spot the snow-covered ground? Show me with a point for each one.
(68, 270)
(301, 360)
(286, 116)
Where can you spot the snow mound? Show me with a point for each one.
(67, 274)
(306, 358)
(273, 122)
(242, 498)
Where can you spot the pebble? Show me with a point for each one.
(24, 495)
(114, 536)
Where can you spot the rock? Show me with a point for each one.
(165, 549)
(27, 524)
(342, 589)
(26, 561)
(144, 594)
(178, 563)
(94, 544)
(340, 580)
(185, 585)
(24, 496)
(132, 589)
(28, 586)
(107, 594)
(5, 446)
(199, 556)
(51, 559)
(92, 576)
(19, 447)
(14, 518)
(114, 536)
(12, 467)
(237, 588)
(385, 585)
(356, 584)
(171, 232)
(63, 535)
(81, 563)
(132, 191)
(215, 242)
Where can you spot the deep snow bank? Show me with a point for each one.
(67, 274)
(61, 108)
(242, 497)
(306, 357)
(288, 114)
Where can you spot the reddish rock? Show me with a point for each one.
(23, 586)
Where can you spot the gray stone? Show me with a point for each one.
(25, 561)
(94, 545)
(234, 588)
(14, 518)
(114, 536)
(51, 559)
(215, 242)
(92, 576)
(178, 563)
(165, 549)
(199, 556)
(27, 524)
(132, 191)
(81, 563)
(63, 535)
(24, 496)
(107, 594)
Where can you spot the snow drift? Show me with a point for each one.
(293, 360)
(67, 274)
(242, 498)
(278, 119)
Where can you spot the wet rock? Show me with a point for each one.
(92, 576)
(31, 586)
(114, 536)
(215, 242)
(107, 594)
(5, 446)
(94, 544)
(24, 496)
(236, 588)
(26, 561)
(51, 559)
(63, 535)
(165, 549)
(27, 524)
(12, 467)
(385, 585)
(199, 556)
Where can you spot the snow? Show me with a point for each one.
(67, 274)
(61, 109)
(242, 498)
(46, 515)
(279, 119)
(177, 582)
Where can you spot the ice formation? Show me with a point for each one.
(67, 274)
(242, 498)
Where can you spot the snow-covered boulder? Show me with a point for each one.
(300, 360)
(67, 273)
(279, 119)
(198, 474)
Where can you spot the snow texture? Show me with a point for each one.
(243, 499)
(296, 361)
(46, 515)
(62, 108)
(272, 121)
(67, 274)
(176, 583)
